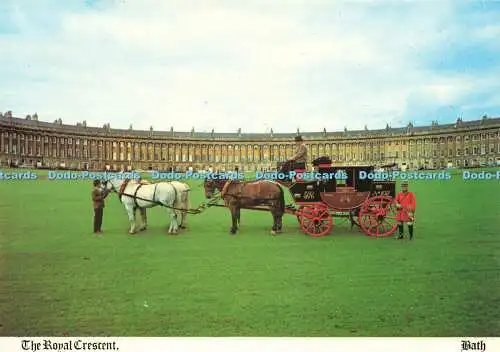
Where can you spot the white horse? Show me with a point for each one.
(173, 195)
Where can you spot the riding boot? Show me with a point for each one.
(410, 231)
(401, 228)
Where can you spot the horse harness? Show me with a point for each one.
(238, 195)
(121, 193)
(199, 209)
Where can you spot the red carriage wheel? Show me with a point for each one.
(377, 216)
(315, 220)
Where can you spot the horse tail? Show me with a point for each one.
(282, 195)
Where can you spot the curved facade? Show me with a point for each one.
(30, 142)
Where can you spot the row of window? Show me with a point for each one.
(195, 149)
(185, 157)
(441, 140)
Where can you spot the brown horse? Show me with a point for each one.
(247, 194)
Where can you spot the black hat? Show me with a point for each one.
(97, 182)
(404, 183)
(298, 139)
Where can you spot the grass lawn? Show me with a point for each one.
(58, 279)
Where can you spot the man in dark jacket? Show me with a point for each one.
(98, 197)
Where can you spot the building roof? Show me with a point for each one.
(58, 126)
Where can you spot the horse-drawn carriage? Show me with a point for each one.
(328, 193)
(342, 191)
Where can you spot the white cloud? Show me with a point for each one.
(225, 67)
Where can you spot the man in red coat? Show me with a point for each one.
(406, 203)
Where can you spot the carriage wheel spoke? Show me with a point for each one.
(315, 220)
(387, 226)
(377, 217)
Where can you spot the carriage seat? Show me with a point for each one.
(299, 172)
(323, 165)
(298, 168)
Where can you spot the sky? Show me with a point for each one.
(253, 65)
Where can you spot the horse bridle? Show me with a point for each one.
(213, 186)
(216, 187)
(112, 186)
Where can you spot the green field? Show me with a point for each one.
(59, 279)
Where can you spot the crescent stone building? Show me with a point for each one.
(30, 142)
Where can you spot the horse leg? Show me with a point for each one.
(234, 219)
(238, 217)
(184, 219)
(279, 223)
(280, 218)
(144, 219)
(180, 218)
(178, 213)
(173, 222)
(274, 229)
(131, 217)
(171, 226)
(276, 220)
(185, 205)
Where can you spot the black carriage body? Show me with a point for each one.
(308, 191)
(383, 188)
(355, 180)
(356, 196)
